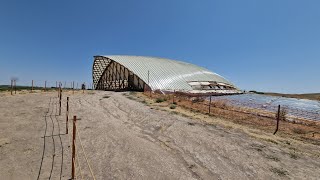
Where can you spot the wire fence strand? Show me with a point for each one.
(85, 155)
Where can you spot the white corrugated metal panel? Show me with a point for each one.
(166, 74)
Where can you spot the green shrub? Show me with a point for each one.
(173, 106)
(159, 100)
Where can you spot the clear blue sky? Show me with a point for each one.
(264, 45)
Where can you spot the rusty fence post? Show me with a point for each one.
(278, 119)
(15, 86)
(67, 116)
(59, 90)
(74, 147)
(11, 86)
(60, 101)
(210, 105)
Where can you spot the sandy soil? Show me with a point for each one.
(127, 139)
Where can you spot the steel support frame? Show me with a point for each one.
(115, 76)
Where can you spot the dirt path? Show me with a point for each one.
(126, 139)
(33, 145)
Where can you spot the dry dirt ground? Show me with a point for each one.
(127, 139)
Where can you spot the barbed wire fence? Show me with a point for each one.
(73, 139)
(211, 104)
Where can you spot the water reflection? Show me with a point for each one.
(308, 109)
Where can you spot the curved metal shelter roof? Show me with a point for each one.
(159, 73)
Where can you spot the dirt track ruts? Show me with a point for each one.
(126, 139)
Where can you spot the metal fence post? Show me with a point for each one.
(11, 86)
(59, 90)
(60, 102)
(278, 119)
(67, 116)
(15, 86)
(74, 147)
(32, 86)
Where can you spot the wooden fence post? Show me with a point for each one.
(45, 86)
(73, 87)
(278, 119)
(67, 116)
(32, 86)
(74, 147)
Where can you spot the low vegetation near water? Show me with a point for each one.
(310, 96)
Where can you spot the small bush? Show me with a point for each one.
(174, 112)
(197, 99)
(159, 100)
(293, 155)
(280, 172)
(173, 106)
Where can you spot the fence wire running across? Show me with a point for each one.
(80, 153)
(295, 110)
(292, 112)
